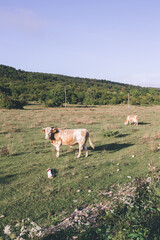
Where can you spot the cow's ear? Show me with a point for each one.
(54, 130)
(43, 130)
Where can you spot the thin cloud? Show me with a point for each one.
(20, 19)
(143, 79)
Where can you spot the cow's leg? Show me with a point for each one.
(58, 148)
(86, 149)
(80, 150)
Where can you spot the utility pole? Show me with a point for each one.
(128, 100)
(65, 96)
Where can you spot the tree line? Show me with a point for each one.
(17, 87)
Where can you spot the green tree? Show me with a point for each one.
(55, 97)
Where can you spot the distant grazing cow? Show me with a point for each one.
(131, 119)
(69, 137)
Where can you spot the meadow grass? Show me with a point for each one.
(120, 151)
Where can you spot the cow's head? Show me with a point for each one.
(48, 132)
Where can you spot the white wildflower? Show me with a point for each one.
(20, 238)
(7, 230)
(149, 180)
(128, 176)
(23, 231)
(40, 234)
(36, 227)
(17, 225)
(86, 177)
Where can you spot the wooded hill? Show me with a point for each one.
(17, 87)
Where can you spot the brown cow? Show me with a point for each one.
(69, 137)
(131, 119)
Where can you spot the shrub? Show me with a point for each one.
(110, 133)
(4, 151)
(9, 103)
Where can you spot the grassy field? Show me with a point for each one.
(121, 154)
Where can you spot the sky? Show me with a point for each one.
(116, 40)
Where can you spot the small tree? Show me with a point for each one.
(9, 103)
(55, 97)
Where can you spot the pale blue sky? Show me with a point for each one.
(118, 40)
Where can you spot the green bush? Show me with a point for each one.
(9, 103)
(49, 103)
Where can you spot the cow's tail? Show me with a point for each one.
(90, 142)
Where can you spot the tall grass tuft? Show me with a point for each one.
(4, 151)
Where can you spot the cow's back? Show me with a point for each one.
(71, 136)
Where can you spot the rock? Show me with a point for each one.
(89, 214)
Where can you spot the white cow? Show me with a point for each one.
(69, 137)
(131, 119)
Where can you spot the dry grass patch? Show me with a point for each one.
(153, 146)
(9, 150)
(48, 189)
(83, 121)
(4, 151)
(145, 138)
(111, 126)
(157, 136)
(148, 137)
(14, 130)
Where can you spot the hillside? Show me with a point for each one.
(17, 87)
